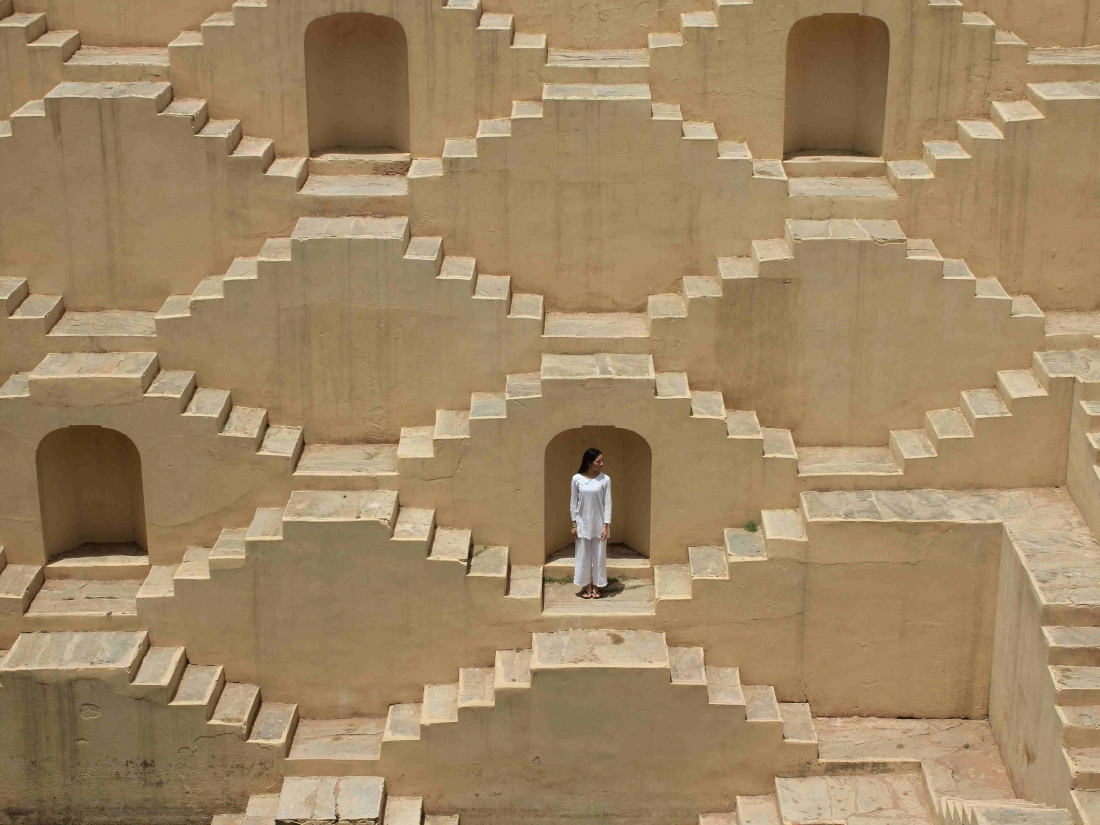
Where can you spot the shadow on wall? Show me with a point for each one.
(837, 68)
(627, 459)
(357, 83)
(90, 489)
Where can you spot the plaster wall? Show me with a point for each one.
(1021, 699)
(124, 22)
(84, 750)
(1061, 23)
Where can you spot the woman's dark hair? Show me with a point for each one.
(590, 455)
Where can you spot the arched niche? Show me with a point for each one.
(90, 491)
(837, 67)
(627, 459)
(357, 84)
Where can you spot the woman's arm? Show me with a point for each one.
(574, 500)
(607, 502)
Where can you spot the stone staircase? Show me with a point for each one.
(357, 800)
(163, 675)
(320, 194)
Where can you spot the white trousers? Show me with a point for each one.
(591, 562)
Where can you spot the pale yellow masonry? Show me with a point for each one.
(309, 309)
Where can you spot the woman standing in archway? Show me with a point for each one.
(590, 509)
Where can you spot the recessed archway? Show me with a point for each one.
(90, 491)
(357, 84)
(628, 460)
(837, 67)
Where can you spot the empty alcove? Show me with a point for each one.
(357, 85)
(90, 490)
(837, 66)
(628, 460)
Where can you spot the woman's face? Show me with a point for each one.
(597, 465)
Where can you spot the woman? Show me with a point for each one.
(590, 509)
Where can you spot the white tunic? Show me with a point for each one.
(590, 504)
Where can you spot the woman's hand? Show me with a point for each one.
(574, 529)
(604, 533)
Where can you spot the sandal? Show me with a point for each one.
(596, 594)
(585, 594)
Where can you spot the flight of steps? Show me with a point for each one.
(357, 800)
(947, 158)
(424, 444)
(409, 527)
(331, 195)
(42, 62)
(43, 319)
(700, 137)
(355, 746)
(157, 674)
(946, 432)
(1073, 656)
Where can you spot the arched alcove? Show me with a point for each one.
(837, 66)
(357, 84)
(627, 459)
(90, 491)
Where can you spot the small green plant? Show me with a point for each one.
(751, 527)
(557, 579)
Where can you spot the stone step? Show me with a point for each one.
(274, 726)
(199, 690)
(335, 746)
(387, 192)
(160, 673)
(1073, 645)
(84, 605)
(109, 656)
(96, 64)
(236, 709)
(341, 461)
(799, 734)
(834, 166)
(586, 649)
(356, 162)
(403, 722)
(1080, 726)
(832, 461)
(19, 584)
(897, 798)
(841, 187)
(597, 329)
(105, 330)
(1076, 684)
(108, 377)
(101, 562)
(621, 597)
(1084, 768)
(597, 65)
(1072, 330)
(757, 810)
(622, 562)
(357, 800)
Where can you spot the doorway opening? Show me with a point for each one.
(837, 67)
(628, 460)
(357, 95)
(90, 490)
